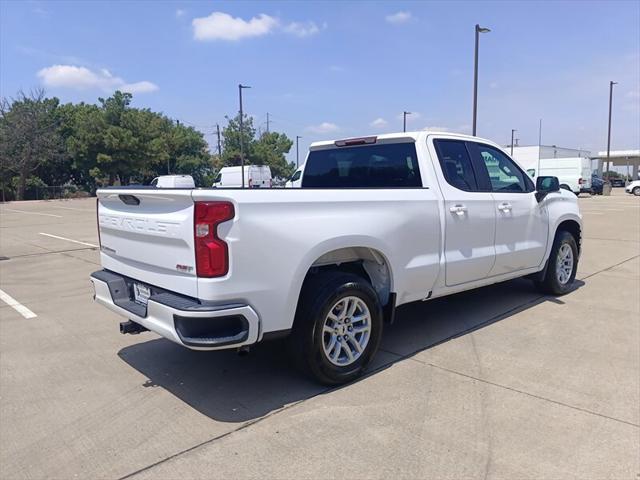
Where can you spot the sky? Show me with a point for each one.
(326, 70)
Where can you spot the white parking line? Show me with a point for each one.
(71, 208)
(33, 213)
(68, 239)
(18, 307)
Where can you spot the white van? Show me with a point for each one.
(173, 181)
(255, 176)
(573, 173)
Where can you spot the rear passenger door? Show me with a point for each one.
(470, 215)
(521, 223)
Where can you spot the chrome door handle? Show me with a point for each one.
(504, 207)
(458, 209)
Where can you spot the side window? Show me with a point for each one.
(456, 164)
(504, 174)
(295, 176)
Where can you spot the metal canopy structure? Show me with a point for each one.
(620, 158)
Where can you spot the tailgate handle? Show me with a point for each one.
(129, 199)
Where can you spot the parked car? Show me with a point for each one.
(617, 182)
(596, 185)
(378, 222)
(634, 188)
(255, 176)
(574, 174)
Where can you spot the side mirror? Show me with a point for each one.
(546, 185)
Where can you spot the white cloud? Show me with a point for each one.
(303, 29)
(324, 127)
(139, 87)
(222, 26)
(379, 122)
(180, 12)
(82, 78)
(399, 17)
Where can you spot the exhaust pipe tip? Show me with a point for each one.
(131, 327)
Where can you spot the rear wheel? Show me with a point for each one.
(561, 266)
(338, 327)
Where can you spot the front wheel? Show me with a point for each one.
(337, 328)
(561, 266)
(636, 191)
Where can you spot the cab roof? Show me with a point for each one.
(400, 137)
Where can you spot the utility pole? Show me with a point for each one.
(513, 130)
(539, 146)
(218, 135)
(168, 159)
(404, 120)
(298, 137)
(611, 84)
(479, 30)
(267, 122)
(240, 87)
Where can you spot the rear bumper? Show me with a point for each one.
(184, 320)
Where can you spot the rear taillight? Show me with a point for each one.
(212, 254)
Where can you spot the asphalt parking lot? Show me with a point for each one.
(500, 382)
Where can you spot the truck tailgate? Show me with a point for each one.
(147, 234)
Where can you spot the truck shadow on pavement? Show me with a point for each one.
(231, 388)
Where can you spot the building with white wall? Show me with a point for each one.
(528, 155)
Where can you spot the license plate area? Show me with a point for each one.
(141, 294)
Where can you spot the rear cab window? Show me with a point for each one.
(456, 164)
(382, 165)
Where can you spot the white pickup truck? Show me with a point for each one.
(378, 222)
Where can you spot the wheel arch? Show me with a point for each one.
(365, 256)
(574, 228)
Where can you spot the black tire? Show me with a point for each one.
(551, 284)
(319, 294)
(636, 191)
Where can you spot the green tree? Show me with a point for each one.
(270, 149)
(231, 141)
(115, 142)
(29, 136)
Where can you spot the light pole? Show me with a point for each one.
(404, 120)
(479, 30)
(513, 130)
(611, 84)
(240, 87)
(298, 137)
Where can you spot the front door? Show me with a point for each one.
(522, 223)
(470, 216)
